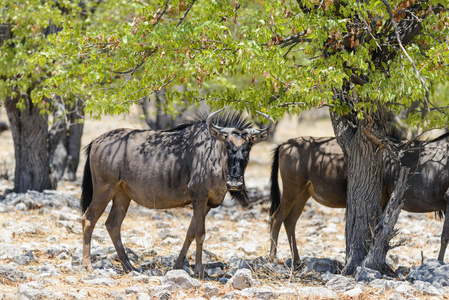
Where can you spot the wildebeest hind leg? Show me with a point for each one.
(290, 226)
(445, 233)
(290, 197)
(99, 202)
(118, 212)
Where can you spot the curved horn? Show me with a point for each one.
(259, 135)
(271, 123)
(211, 116)
(215, 131)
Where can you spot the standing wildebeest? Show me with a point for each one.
(315, 167)
(193, 163)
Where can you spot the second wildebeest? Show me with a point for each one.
(315, 167)
(194, 164)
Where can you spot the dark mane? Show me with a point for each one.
(225, 119)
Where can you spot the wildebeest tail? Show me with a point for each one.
(86, 187)
(275, 194)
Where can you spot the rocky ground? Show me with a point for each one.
(40, 246)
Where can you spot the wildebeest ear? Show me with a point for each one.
(217, 133)
(258, 136)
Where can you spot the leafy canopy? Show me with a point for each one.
(277, 56)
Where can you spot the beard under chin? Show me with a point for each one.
(241, 197)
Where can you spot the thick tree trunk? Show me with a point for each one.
(365, 180)
(30, 131)
(364, 203)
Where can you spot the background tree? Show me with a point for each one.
(42, 154)
(363, 59)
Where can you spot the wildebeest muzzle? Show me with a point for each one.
(235, 184)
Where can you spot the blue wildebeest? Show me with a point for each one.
(315, 167)
(194, 163)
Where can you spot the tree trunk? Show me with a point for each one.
(365, 180)
(64, 144)
(30, 131)
(161, 120)
(74, 139)
(376, 258)
(57, 150)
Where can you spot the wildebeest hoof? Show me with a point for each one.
(297, 265)
(137, 270)
(132, 269)
(89, 268)
(201, 275)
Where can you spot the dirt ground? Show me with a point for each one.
(325, 240)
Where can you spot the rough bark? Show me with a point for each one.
(30, 131)
(161, 120)
(64, 142)
(74, 139)
(365, 180)
(57, 140)
(376, 258)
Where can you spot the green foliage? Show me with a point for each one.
(236, 55)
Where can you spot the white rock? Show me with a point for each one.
(98, 280)
(169, 241)
(20, 207)
(340, 283)
(134, 290)
(30, 291)
(228, 254)
(285, 292)
(180, 279)
(258, 293)
(250, 248)
(405, 289)
(317, 292)
(210, 290)
(242, 279)
(396, 296)
(71, 279)
(354, 293)
(143, 296)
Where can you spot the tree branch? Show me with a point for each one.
(161, 13)
(294, 39)
(185, 14)
(138, 65)
(398, 38)
(235, 9)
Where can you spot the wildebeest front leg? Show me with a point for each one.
(445, 233)
(114, 222)
(196, 231)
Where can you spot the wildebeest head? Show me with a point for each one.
(238, 143)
